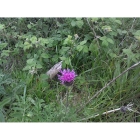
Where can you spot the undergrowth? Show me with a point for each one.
(98, 49)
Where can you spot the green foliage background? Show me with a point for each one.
(98, 49)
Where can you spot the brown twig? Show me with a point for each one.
(108, 84)
(122, 108)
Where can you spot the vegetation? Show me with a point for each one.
(97, 49)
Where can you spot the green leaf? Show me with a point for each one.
(29, 26)
(119, 31)
(88, 37)
(85, 49)
(64, 50)
(46, 41)
(43, 41)
(2, 26)
(2, 119)
(124, 31)
(16, 51)
(3, 61)
(93, 47)
(33, 39)
(130, 54)
(67, 61)
(137, 33)
(3, 45)
(69, 37)
(79, 23)
(39, 23)
(16, 115)
(55, 58)
(107, 28)
(105, 43)
(62, 58)
(50, 44)
(103, 38)
(27, 67)
(79, 48)
(138, 38)
(73, 23)
(36, 56)
(45, 55)
(4, 102)
(112, 55)
(45, 29)
(110, 40)
(2, 90)
(17, 109)
(5, 53)
(30, 61)
(94, 19)
(39, 66)
(118, 21)
(83, 42)
(27, 46)
(68, 40)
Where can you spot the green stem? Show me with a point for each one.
(67, 98)
(67, 102)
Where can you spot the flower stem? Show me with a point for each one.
(67, 98)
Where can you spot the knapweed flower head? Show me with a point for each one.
(67, 77)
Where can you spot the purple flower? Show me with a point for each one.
(67, 77)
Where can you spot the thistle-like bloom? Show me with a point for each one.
(67, 77)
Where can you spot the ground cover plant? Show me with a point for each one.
(69, 69)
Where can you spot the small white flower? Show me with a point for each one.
(76, 36)
(33, 71)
